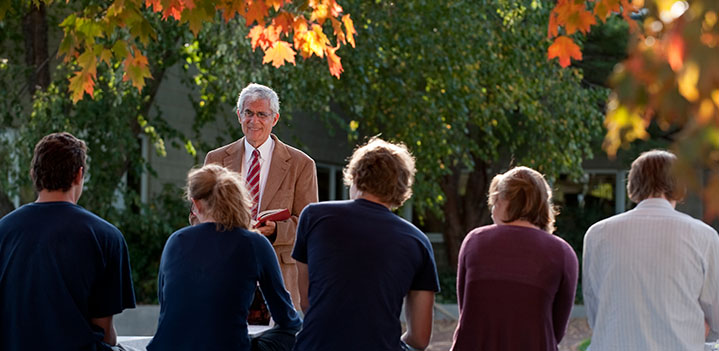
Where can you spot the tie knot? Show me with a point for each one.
(256, 153)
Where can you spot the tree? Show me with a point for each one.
(421, 76)
(670, 78)
(466, 86)
(121, 30)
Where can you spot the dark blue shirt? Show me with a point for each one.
(362, 261)
(206, 284)
(60, 266)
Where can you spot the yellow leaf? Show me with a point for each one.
(279, 53)
(350, 28)
(354, 125)
(623, 126)
(706, 112)
(314, 42)
(687, 82)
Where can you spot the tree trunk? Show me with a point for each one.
(466, 205)
(34, 26)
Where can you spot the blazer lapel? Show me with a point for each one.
(278, 171)
(234, 156)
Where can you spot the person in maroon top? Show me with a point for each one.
(516, 281)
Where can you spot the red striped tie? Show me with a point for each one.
(253, 182)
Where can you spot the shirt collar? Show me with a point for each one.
(655, 202)
(264, 149)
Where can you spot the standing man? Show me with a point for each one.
(651, 275)
(64, 272)
(287, 176)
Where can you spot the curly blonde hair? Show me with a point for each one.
(383, 169)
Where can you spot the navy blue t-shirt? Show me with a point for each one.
(206, 284)
(60, 265)
(362, 261)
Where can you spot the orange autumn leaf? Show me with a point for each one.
(276, 4)
(255, 35)
(565, 49)
(334, 62)
(553, 29)
(256, 12)
(339, 33)
(279, 53)
(136, 69)
(350, 28)
(604, 8)
(581, 20)
(676, 51)
(80, 84)
(284, 21)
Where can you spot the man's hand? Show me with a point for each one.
(267, 228)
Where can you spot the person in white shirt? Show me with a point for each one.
(651, 275)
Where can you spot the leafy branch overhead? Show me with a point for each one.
(121, 31)
(671, 76)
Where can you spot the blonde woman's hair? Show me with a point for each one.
(527, 195)
(224, 193)
(383, 169)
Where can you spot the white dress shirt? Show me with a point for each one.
(650, 280)
(265, 160)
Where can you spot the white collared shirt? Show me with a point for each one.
(650, 279)
(266, 150)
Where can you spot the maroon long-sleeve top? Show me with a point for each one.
(515, 289)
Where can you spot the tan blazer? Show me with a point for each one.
(291, 183)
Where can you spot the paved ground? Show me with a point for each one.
(577, 332)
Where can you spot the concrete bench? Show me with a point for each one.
(140, 342)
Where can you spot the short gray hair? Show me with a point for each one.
(254, 92)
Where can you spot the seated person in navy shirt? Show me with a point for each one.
(357, 261)
(64, 272)
(209, 271)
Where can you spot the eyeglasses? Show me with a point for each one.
(247, 114)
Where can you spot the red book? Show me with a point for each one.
(273, 215)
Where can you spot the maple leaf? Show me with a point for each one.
(136, 69)
(284, 21)
(196, 17)
(313, 42)
(604, 8)
(276, 4)
(564, 49)
(335, 8)
(230, 9)
(553, 29)
(256, 12)
(255, 35)
(80, 84)
(339, 33)
(581, 20)
(320, 14)
(334, 62)
(676, 50)
(623, 125)
(350, 28)
(279, 53)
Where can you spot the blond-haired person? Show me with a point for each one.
(650, 276)
(515, 281)
(209, 272)
(357, 261)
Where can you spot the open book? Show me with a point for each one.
(272, 215)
